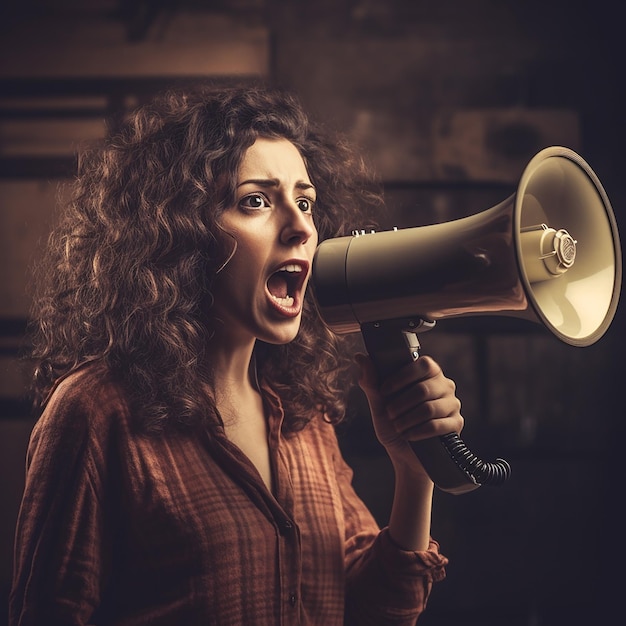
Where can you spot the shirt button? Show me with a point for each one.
(293, 599)
(286, 527)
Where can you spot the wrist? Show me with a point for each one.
(406, 464)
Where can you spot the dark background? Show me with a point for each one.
(449, 99)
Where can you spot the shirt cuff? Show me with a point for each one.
(398, 561)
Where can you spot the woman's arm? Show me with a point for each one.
(418, 402)
(59, 556)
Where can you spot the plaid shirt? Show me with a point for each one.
(179, 529)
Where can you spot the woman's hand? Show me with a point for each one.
(418, 402)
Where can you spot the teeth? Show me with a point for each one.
(286, 302)
(291, 268)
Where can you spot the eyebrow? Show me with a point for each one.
(274, 182)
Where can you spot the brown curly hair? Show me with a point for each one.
(127, 276)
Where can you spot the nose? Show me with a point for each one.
(298, 227)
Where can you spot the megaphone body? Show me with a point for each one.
(549, 253)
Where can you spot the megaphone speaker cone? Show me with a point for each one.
(559, 193)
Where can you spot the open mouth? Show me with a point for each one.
(285, 284)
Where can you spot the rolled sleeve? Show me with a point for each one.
(391, 586)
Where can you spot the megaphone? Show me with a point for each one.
(549, 253)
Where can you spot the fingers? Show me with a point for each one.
(418, 401)
(434, 394)
(429, 419)
(421, 369)
(424, 368)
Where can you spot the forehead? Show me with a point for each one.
(273, 158)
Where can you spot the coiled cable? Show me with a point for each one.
(482, 472)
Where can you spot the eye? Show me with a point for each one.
(305, 204)
(254, 201)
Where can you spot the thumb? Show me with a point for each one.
(368, 381)
(368, 378)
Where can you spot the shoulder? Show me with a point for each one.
(90, 388)
(319, 437)
(84, 406)
(320, 428)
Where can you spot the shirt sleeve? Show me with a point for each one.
(385, 584)
(59, 557)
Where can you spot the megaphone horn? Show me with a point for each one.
(549, 253)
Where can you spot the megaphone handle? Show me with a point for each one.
(448, 461)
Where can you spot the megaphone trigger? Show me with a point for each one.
(393, 343)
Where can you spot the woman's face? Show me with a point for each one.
(260, 291)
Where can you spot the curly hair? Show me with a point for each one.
(127, 275)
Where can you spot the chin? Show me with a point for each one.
(279, 340)
(282, 336)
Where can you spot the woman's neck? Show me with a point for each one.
(232, 364)
(240, 405)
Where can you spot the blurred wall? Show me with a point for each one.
(448, 101)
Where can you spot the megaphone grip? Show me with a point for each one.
(447, 460)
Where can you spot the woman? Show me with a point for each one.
(185, 469)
